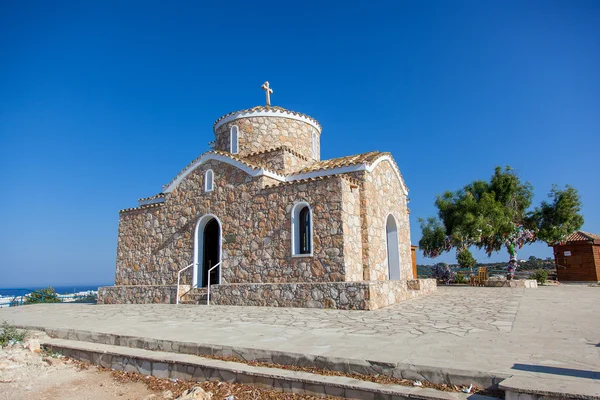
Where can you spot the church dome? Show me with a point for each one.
(263, 128)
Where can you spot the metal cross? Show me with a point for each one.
(268, 90)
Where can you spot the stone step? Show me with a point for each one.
(189, 367)
(536, 388)
(449, 376)
(194, 296)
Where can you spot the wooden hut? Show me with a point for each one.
(578, 259)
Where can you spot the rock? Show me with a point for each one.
(53, 362)
(167, 394)
(195, 393)
(33, 345)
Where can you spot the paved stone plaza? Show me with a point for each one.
(549, 330)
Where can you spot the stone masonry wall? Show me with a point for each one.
(381, 195)
(351, 226)
(280, 160)
(155, 243)
(363, 295)
(263, 133)
(137, 294)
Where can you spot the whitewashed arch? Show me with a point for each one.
(209, 181)
(392, 244)
(296, 227)
(199, 246)
(234, 134)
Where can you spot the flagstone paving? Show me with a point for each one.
(483, 329)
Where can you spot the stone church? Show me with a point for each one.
(264, 221)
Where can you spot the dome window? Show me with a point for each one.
(314, 145)
(233, 139)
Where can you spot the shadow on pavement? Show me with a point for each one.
(580, 373)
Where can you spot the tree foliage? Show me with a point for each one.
(465, 259)
(494, 214)
(46, 295)
(443, 272)
(557, 219)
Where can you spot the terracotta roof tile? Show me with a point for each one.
(267, 108)
(153, 205)
(318, 178)
(156, 196)
(284, 148)
(364, 158)
(581, 236)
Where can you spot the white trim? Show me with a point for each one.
(351, 168)
(294, 226)
(207, 181)
(199, 251)
(267, 113)
(387, 249)
(217, 157)
(263, 172)
(237, 139)
(157, 200)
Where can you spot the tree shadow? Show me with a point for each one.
(544, 369)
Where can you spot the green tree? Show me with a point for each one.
(46, 295)
(494, 215)
(466, 260)
(557, 219)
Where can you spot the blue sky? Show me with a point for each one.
(101, 103)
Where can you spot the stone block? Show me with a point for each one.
(160, 370)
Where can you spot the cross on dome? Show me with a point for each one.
(268, 91)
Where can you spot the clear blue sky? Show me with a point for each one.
(102, 102)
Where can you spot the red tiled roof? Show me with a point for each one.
(364, 158)
(581, 236)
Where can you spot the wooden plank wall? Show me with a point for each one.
(583, 265)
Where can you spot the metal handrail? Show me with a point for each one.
(208, 286)
(179, 279)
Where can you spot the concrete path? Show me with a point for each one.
(550, 331)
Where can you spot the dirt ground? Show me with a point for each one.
(24, 374)
(27, 372)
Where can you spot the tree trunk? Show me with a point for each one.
(512, 263)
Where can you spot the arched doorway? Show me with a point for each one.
(393, 255)
(207, 251)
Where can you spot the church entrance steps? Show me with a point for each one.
(193, 296)
(449, 376)
(170, 365)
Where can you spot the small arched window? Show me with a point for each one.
(209, 181)
(234, 139)
(302, 230)
(314, 145)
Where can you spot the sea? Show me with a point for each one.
(5, 292)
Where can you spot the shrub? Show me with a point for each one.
(460, 278)
(466, 260)
(541, 276)
(9, 332)
(443, 272)
(46, 295)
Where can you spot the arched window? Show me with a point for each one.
(234, 140)
(393, 255)
(314, 145)
(209, 181)
(302, 230)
